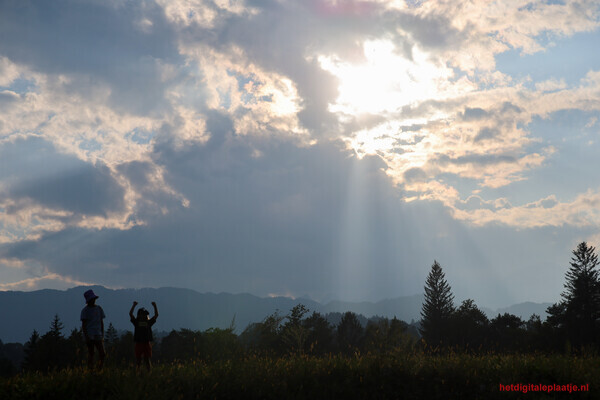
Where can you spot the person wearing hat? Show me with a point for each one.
(142, 335)
(92, 326)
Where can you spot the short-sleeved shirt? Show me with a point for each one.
(94, 316)
(143, 329)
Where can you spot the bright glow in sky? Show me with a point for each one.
(385, 81)
(323, 148)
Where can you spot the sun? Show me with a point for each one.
(385, 81)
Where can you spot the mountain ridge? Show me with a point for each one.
(22, 312)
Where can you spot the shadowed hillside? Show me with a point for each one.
(184, 308)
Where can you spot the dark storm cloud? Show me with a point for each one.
(261, 224)
(34, 171)
(278, 223)
(86, 189)
(99, 39)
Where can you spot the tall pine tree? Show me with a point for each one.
(56, 327)
(438, 307)
(579, 308)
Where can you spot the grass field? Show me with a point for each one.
(392, 376)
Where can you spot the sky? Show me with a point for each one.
(322, 148)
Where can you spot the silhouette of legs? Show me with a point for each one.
(99, 345)
(143, 350)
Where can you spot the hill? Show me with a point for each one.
(22, 312)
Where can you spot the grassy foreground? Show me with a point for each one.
(392, 376)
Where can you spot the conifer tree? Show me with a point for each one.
(579, 308)
(56, 327)
(438, 306)
(111, 335)
(52, 346)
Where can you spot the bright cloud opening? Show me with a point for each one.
(386, 80)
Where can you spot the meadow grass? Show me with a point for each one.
(396, 375)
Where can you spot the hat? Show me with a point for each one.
(89, 296)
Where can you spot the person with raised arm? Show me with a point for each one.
(142, 335)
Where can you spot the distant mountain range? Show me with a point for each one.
(22, 312)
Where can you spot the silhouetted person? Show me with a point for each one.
(142, 335)
(92, 326)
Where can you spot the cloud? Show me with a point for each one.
(259, 228)
(415, 174)
(432, 30)
(250, 227)
(486, 133)
(475, 202)
(86, 190)
(471, 114)
(551, 85)
(54, 280)
(90, 41)
(28, 160)
(44, 190)
(250, 144)
(275, 89)
(8, 97)
(580, 212)
(295, 219)
(518, 24)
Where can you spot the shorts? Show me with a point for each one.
(143, 349)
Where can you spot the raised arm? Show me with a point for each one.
(155, 310)
(131, 310)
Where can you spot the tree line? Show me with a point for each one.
(277, 335)
(572, 325)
